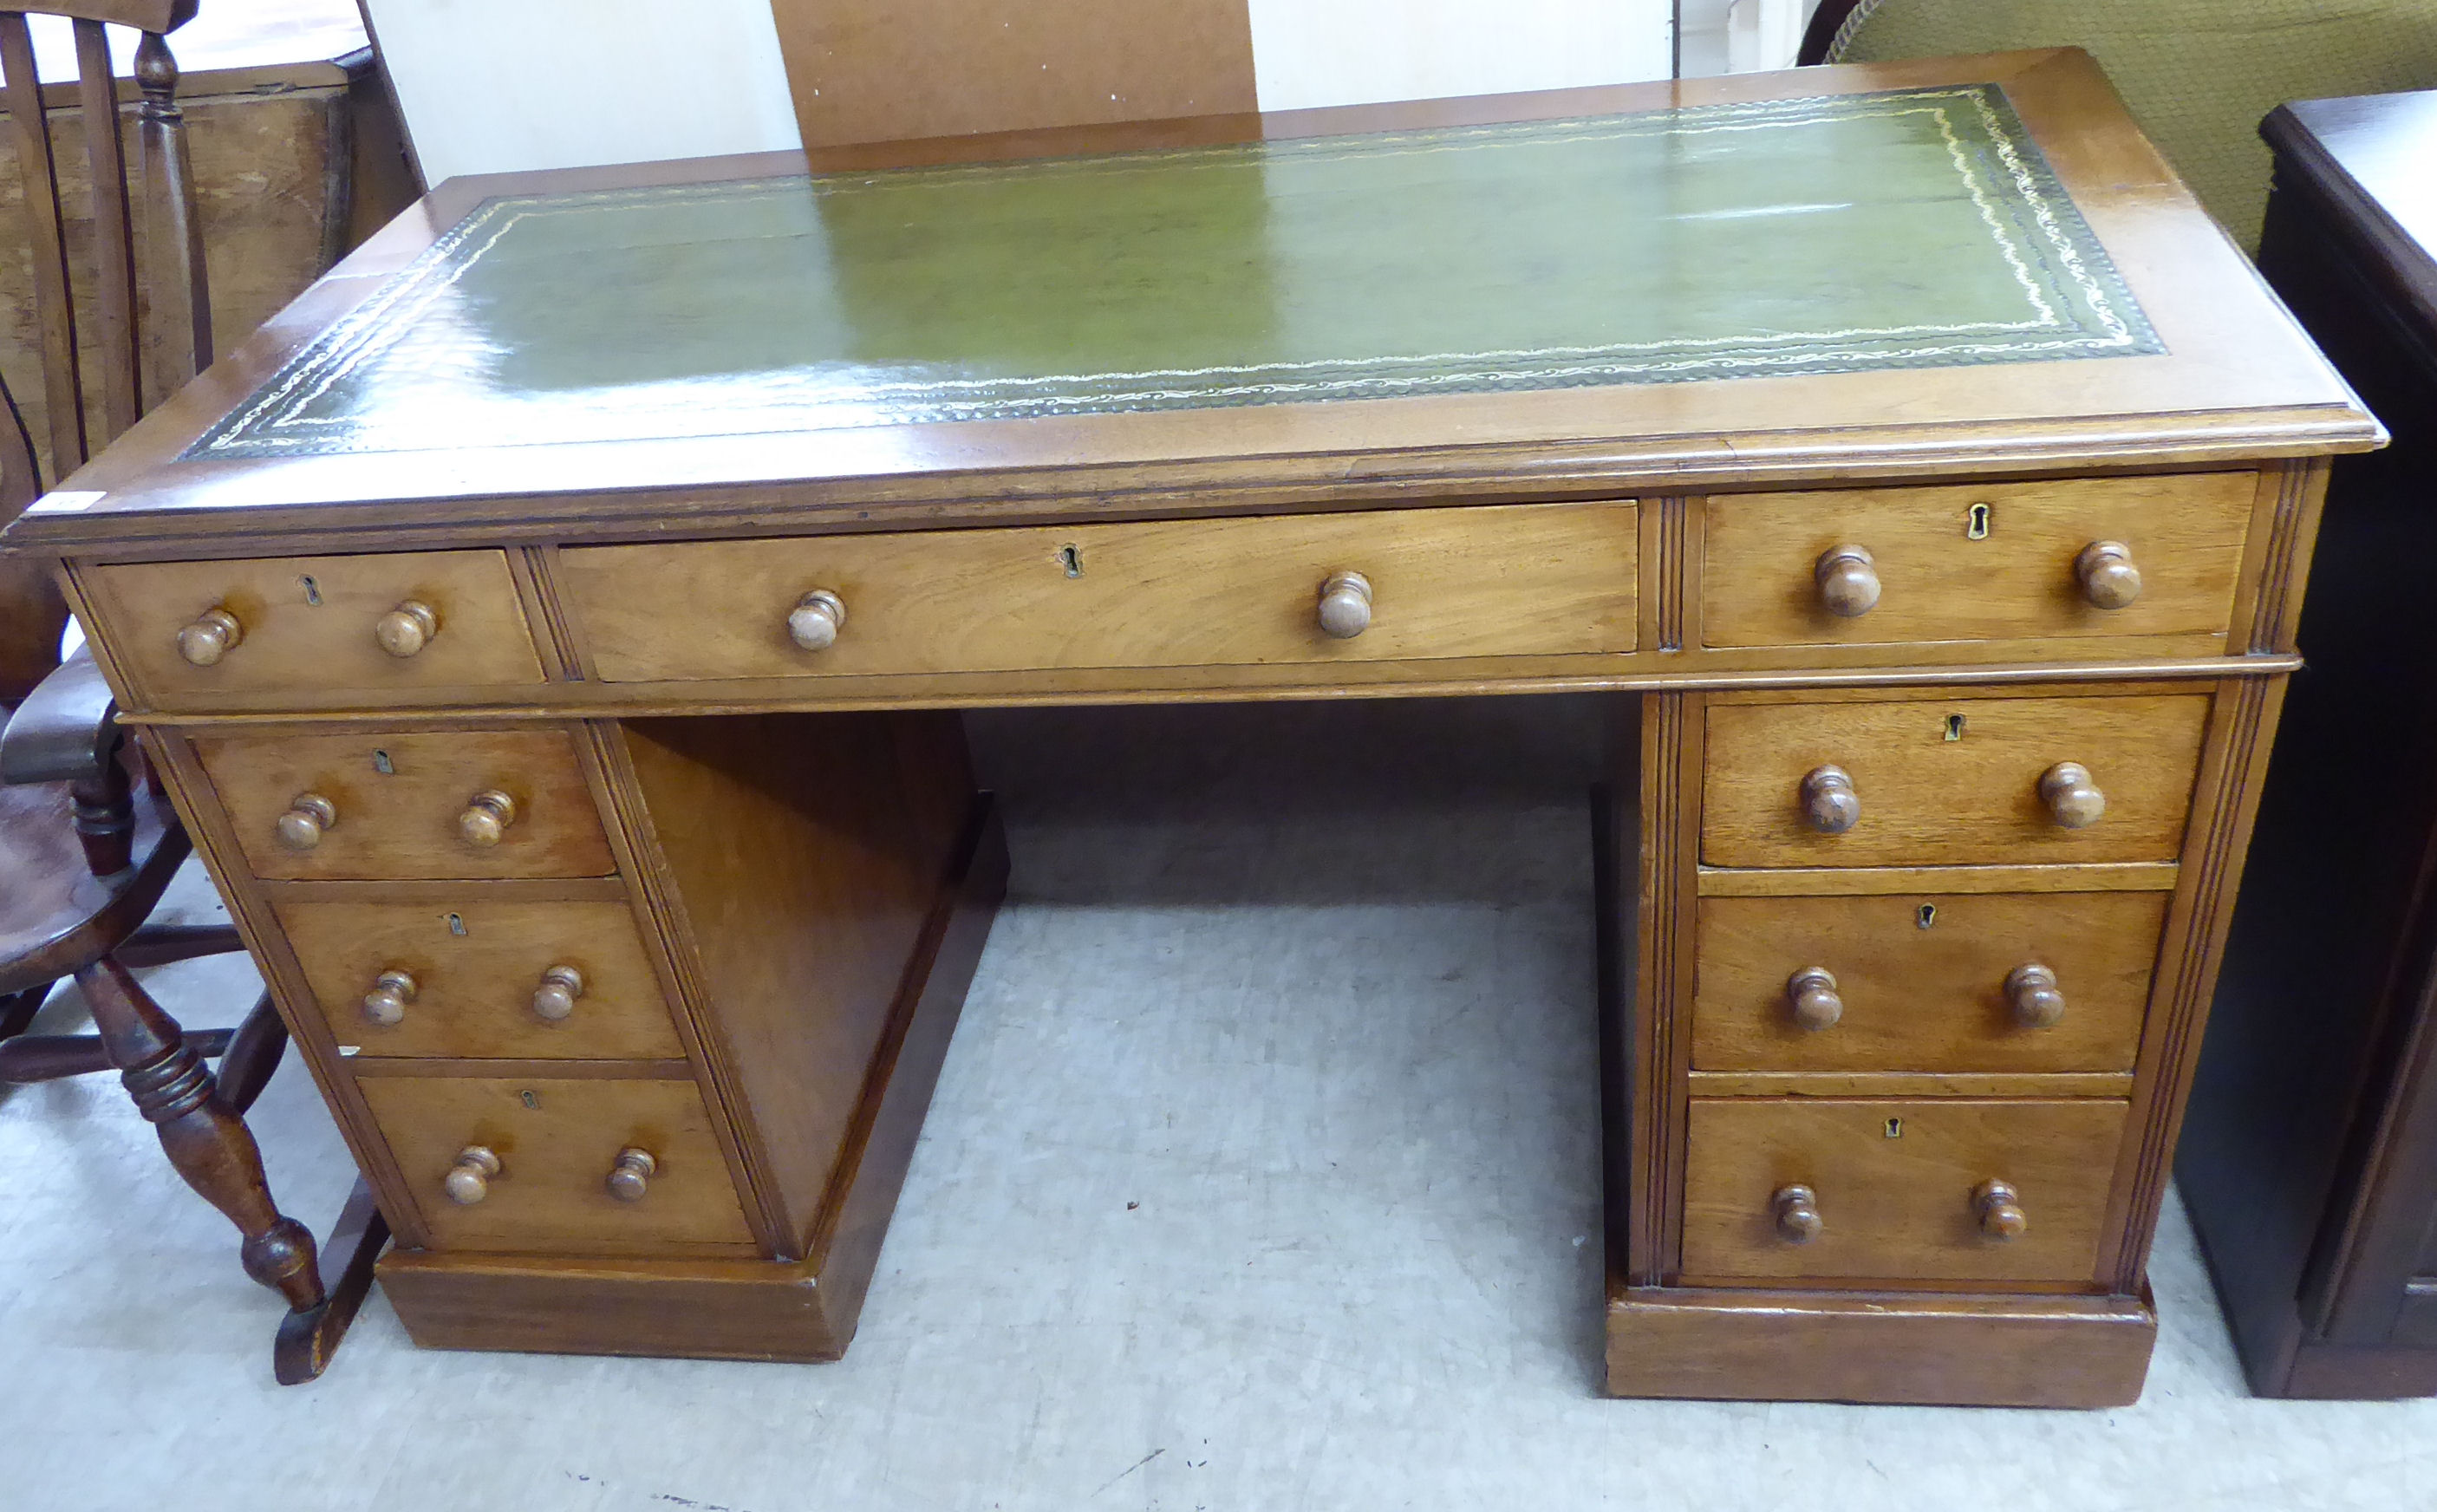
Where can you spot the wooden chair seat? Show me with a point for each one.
(55, 914)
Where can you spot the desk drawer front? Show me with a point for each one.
(1898, 1190)
(474, 977)
(296, 627)
(1978, 563)
(1947, 982)
(1523, 580)
(1901, 783)
(401, 805)
(557, 1144)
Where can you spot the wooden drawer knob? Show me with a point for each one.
(203, 643)
(1796, 1209)
(386, 1003)
(301, 827)
(406, 629)
(2109, 579)
(2039, 1003)
(555, 997)
(816, 619)
(2072, 800)
(631, 1177)
(486, 819)
(1345, 604)
(1830, 800)
(1813, 993)
(1849, 581)
(2001, 1210)
(469, 1180)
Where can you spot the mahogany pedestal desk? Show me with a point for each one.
(552, 624)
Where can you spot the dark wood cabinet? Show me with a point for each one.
(2310, 1151)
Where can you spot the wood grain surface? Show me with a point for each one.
(1900, 1209)
(1924, 996)
(803, 858)
(1529, 580)
(1754, 1345)
(1929, 800)
(557, 1140)
(1803, 882)
(718, 1309)
(1883, 1084)
(474, 990)
(308, 624)
(402, 822)
(1939, 584)
(886, 70)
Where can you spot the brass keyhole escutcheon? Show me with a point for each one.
(382, 764)
(1895, 1128)
(1976, 524)
(456, 926)
(1955, 727)
(312, 592)
(1072, 560)
(530, 1100)
(1927, 916)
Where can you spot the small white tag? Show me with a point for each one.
(349, 1050)
(67, 504)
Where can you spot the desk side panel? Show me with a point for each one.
(807, 854)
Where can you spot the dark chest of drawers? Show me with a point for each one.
(2309, 1152)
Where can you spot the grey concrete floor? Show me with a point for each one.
(1262, 1175)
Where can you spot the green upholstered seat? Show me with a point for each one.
(2197, 74)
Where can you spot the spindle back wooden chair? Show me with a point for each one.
(99, 379)
(88, 841)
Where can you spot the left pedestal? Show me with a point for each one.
(630, 1025)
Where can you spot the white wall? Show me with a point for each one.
(1350, 52)
(492, 86)
(1742, 36)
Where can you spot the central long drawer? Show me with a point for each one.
(1503, 580)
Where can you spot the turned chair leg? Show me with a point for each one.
(308, 1338)
(251, 1055)
(209, 1143)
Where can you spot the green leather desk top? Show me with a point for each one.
(1838, 233)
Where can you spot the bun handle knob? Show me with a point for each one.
(1797, 1211)
(386, 1003)
(2109, 579)
(203, 643)
(2072, 798)
(2001, 1210)
(1829, 801)
(554, 999)
(2039, 1003)
(815, 621)
(630, 1178)
(309, 816)
(486, 819)
(407, 629)
(469, 1180)
(1811, 992)
(1849, 581)
(1345, 604)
